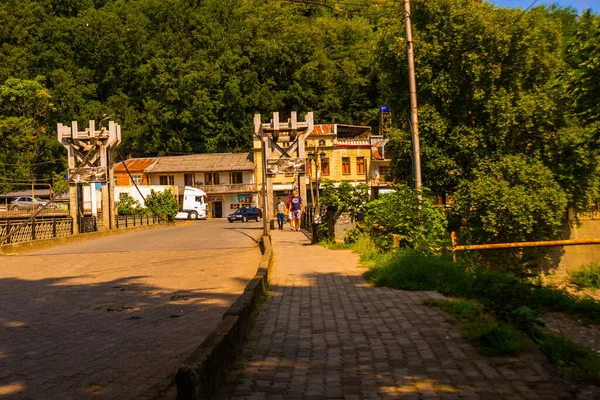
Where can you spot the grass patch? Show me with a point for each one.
(571, 360)
(459, 308)
(500, 310)
(586, 276)
(500, 292)
(492, 338)
(370, 254)
(335, 246)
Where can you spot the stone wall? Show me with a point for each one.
(564, 258)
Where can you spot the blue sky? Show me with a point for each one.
(579, 5)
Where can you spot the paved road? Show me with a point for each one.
(111, 318)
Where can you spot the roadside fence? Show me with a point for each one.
(18, 231)
(125, 221)
(25, 230)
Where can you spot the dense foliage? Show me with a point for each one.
(419, 224)
(345, 198)
(164, 204)
(127, 205)
(512, 200)
(185, 76)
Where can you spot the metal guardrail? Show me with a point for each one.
(125, 221)
(19, 231)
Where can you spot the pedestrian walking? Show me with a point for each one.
(297, 205)
(281, 211)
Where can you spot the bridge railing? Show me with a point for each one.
(126, 221)
(25, 230)
(18, 231)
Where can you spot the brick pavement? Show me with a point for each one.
(325, 333)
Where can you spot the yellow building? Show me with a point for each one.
(340, 153)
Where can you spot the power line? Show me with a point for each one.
(24, 180)
(523, 13)
(32, 164)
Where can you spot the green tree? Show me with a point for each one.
(421, 226)
(163, 204)
(583, 54)
(127, 205)
(24, 138)
(512, 200)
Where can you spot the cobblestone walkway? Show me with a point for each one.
(327, 334)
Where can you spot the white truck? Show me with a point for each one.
(192, 202)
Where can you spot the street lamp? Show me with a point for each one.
(321, 159)
(311, 158)
(318, 160)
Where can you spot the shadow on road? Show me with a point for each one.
(114, 339)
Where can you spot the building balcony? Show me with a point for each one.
(233, 188)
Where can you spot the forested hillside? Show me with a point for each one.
(499, 89)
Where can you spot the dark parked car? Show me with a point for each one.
(29, 203)
(244, 214)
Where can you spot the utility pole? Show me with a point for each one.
(412, 84)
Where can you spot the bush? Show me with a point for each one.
(127, 205)
(420, 225)
(345, 198)
(513, 200)
(409, 270)
(587, 276)
(163, 204)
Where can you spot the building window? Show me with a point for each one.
(135, 180)
(211, 178)
(385, 173)
(346, 165)
(360, 165)
(167, 179)
(236, 177)
(188, 179)
(325, 166)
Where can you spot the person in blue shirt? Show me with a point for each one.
(296, 206)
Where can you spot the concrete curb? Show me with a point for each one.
(204, 370)
(15, 248)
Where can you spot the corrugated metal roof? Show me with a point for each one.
(135, 164)
(324, 129)
(204, 163)
(376, 154)
(342, 130)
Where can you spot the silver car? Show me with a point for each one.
(29, 203)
